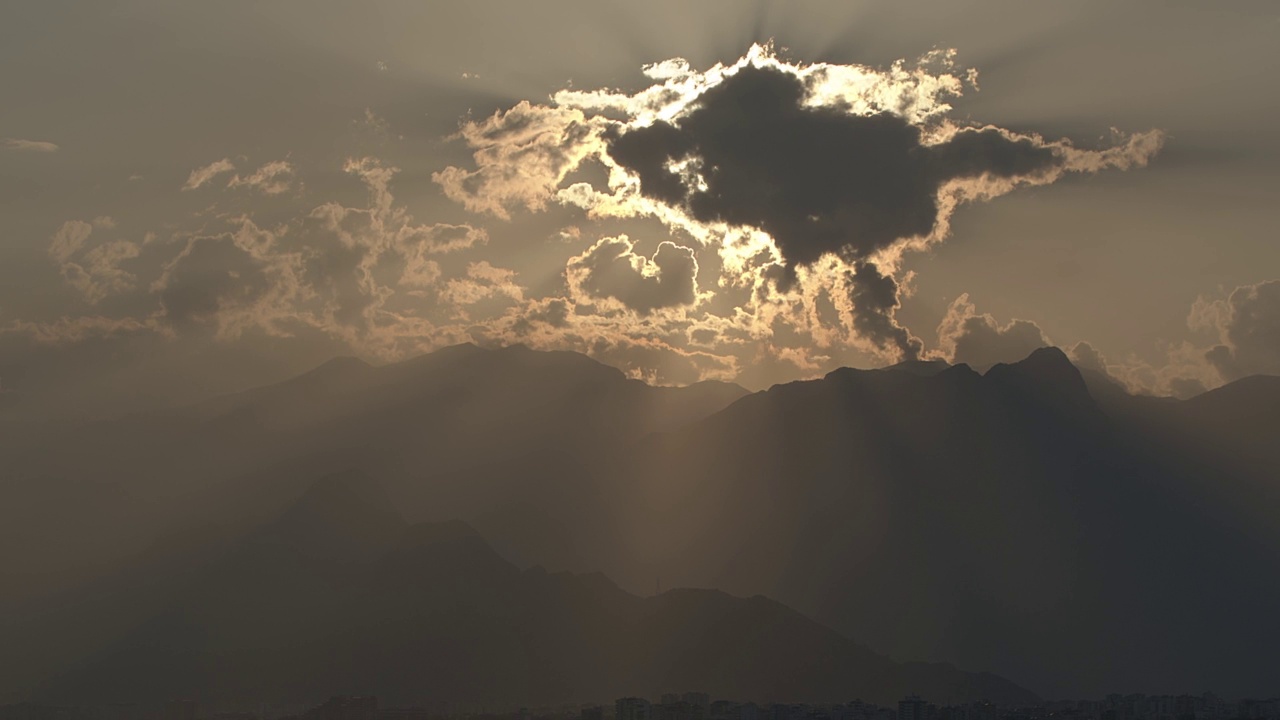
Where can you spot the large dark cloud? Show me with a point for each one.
(818, 179)
(875, 300)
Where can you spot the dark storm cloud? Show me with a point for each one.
(818, 179)
(875, 300)
(980, 341)
(611, 269)
(1249, 324)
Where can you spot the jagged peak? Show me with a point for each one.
(915, 368)
(1046, 373)
(923, 368)
(1045, 364)
(842, 373)
(960, 370)
(1050, 356)
(340, 363)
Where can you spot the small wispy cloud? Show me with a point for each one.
(20, 145)
(271, 179)
(203, 175)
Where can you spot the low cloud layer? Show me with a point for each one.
(964, 336)
(1248, 326)
(1233, 335)
(21, 145)
(368, 275)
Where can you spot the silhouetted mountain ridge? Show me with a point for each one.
(1034, 519)
(1004, 520)
(434, 614)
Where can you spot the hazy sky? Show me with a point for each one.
(201, 197)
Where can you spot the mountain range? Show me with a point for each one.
(1034, 520)
(339, 594)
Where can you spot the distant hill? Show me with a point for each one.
(340, 595)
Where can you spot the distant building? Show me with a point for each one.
(914, 707)
(591, 712)
(180, 710)
(724, 710)
(358, 707)
(679, 710)
(697, 699)
(632, 708)
(730, 710)
(409, 713)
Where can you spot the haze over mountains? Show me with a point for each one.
(1033, 521)
(340, 594)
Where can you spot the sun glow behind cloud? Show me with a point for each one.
(850, 264)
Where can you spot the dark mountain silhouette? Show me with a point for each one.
(454, 433)
(1005, 520)
(339, 594)
(1033, 520)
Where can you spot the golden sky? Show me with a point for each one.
(201, 198)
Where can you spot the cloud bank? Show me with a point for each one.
(964, 336)
(748, 221)
(1248, 326)
(20, 145)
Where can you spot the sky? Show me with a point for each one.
(198, 198)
